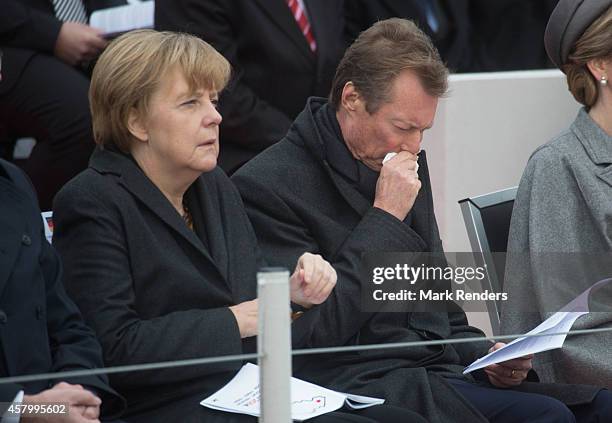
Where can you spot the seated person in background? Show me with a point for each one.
(159, 253)
(564, 201)
(446, 22)
(283, 51)
(323, 188)
(507, 34)
(42, 93)
(471, 35)
(41, 328)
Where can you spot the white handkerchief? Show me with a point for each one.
(389, 156)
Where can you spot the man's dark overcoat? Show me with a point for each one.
(41, 329)
(299, 199)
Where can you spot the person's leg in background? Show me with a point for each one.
(49, 103)
(599, 411)
(507, 406)
(388, 414)
(189, 410)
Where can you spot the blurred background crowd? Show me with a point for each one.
(281, 52)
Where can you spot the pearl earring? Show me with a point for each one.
(603, 80)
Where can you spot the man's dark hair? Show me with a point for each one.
(379, 54)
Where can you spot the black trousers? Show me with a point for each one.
(503, 405)
(376, 414)
(49, 102)
(380, 413)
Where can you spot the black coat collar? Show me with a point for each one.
(306, 131)
(202, 198)
(12, 227)
(15, 209)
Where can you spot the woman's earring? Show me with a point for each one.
(603, 80)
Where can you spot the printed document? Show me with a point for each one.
(241, 395)
(559, 322)
(117, 20)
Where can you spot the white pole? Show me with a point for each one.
(274, 345)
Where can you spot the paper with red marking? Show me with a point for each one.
(241, 395)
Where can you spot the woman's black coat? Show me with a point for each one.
(152, 289)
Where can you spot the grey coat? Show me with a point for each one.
(298, 201)
(564, 207)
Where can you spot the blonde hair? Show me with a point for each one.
(595, 43)
(380, 53)
(130, 69)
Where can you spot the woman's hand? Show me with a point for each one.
(246, 317)
(312, 281)
(508, 373)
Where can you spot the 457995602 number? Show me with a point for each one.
(19, 408)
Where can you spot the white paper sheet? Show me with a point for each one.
(47, 218)
(241, 395)
(116, 20)
(388, 157)
(561, 321)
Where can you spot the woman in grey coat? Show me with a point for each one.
(560, 228)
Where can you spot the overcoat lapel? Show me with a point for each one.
(350, 194)
(597, 144)
(279, 13)
(606, 175)
(10, 239)
(211, 218)
(139, 185)
(423, 222)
